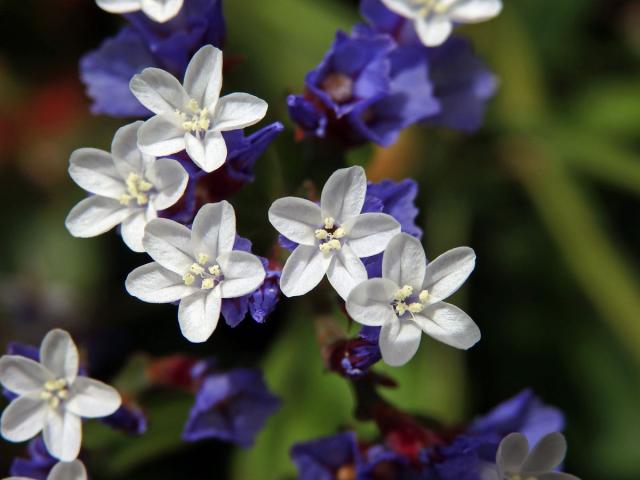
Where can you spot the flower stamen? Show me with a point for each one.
(137, 189)
(209, 275)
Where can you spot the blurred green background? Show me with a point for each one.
(547, 193)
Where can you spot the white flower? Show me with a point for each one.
(434, 19)
(192, 116)
(63, 471)
(514, 461)
(52, 398)
(407, 300)
(128, 188)
(158, 10)
(198, 268)
(332, 237)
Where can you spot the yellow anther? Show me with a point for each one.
(207, 284)
(415, 307)
(401, 308)
(125, 199)
(188, 279)
(144, 186)
(194, 106)
(325, 247)
(339, 233)
(54, 402)
(45, 395)
(321, 234)
(403, 293)
(137, 187)
(196, 269)
(424, 296)
(334, 244)
(215, 270)
(329, 223)
(203, 258)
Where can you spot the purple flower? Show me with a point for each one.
(311, 119)
(355, 356)
(463, 85)
(106, 72)
(242, 154)
(354, 72)
(410, 99)
(39, 463)
(231, 406)
(382, 20)
(327, 458)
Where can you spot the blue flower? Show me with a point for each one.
(231, 406)
(382, 20)
(327, 458)
(106, 72)
(39, 463)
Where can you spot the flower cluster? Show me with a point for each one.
(383, 77)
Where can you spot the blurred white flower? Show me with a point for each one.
(196, 267)
(434, 19)
(407, 300)
(192, 116)
(128, 188)
(331, 237)
(63, 471)
(52, 398)
(158, 10)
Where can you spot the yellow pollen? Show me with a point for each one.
(415, 307)
(334, 244)
(207, 284)
(321, 234)
(54, 391)
(137, 189)
(198, 120)
(203, 258)
(196, 269)
(424, 296)
(188, 279)
(329, 223)
(215, 270)
(339, 233)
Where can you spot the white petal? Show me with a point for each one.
(23, 418)
(59, 355)
(214, 229)
(343, 194)
(473, 11)
(22, 375)
(209, 153)
(404, 261)
(370, 233)
(399, 341)
(133, 230)
(297, 219)
(161, 10)
(68, 471)
(198, 315)
(162, 135)
(238, 110)
(170, 180)
(405, 8)
(243, 273)
(92, 399)
(434, 29)
(63, 434)
(448, 324)
(159, 91)
(303, 271)
(346, 271)
(95, 171)
(119, 6)
(94, 216)
(169, 244)
(203, 79)
(556, 476)
(155, 284)
(369, 303)
(548, 453)
(127, 157)
(512, 452)
(446, 274)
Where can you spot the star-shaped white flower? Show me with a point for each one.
(332, 237)
(192, 116)
(159, 10)
(434, 19)
(63, 471)
(128, 188)
(514, 461)
(407, 300)
(196, 267)
(52, 398)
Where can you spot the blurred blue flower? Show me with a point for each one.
(327, 458)
(106, 72)
(231, 406)
(382, 20)
(358, 354)
(39, 463)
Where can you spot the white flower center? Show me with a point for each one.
(55, 392)
(138, 189)
(438, 7)
(329, 237)
(209, 274)
(404, 301)
(197, 119)
(339, 87)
